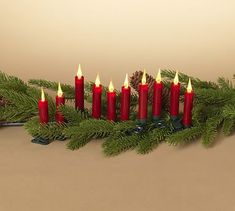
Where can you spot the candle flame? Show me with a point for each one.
(79, 73)
(143, 81)
(159, 78)
(42, 95)
(176, 79)
(126, 83)
(59, 92)
(97, 81)
(189, 88)
(111, 87)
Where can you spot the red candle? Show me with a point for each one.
(79, 90)
(157, 96)
(43, 109)
(188, 105)
(175, 94)
(111, 103)
(125, 100)
(96, 99)
(143, 99)
(60, 100)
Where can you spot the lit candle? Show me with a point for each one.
(174, 99)
(96, 98)
(157, 96)
(125, 100)
(188, 105)
(43, 108)
(143, 99)
(60, 100)
(111, 103)
(79, 90)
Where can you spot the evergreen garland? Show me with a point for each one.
(213, 111)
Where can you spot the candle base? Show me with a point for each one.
(187, 126)
(158, 122)
(138, 129)
(41, 141)
(176, 123)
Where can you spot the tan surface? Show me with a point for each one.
(35, 177)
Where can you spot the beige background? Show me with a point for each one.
(47, 39)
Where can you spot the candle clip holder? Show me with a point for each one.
(61, 139)
(159, 122)
(176, 123)
(40, 140)
(140, 126)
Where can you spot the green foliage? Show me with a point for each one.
(211, 130)
(50, 131)
(152, 139)
(115, 145)
(67, 89)
(73, 116)
(225, 83)
(228, 126)
(12, 83)
(87, 130)
(229, 111)
(183, 78)
(185, 136)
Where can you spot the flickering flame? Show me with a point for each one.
(189, 88)
(159, 78)
(97, 81)
(59, 92)
(111, 87)
(79, 73)
(176, 79)
(126, 83)
(143, 81)
(42, 95)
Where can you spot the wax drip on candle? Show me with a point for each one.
(97, 81)
(111, 87)
(126, 83)
(176, 79)
(59, 92)
(79, 73)
(189, 88)
(143, 81)
(42, 95)
(159, 78)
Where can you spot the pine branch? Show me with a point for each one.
(216, 97)
(50, 131)
(211, 130)
(12, 83)
(225, 83)
(116, 145)
(72, 115)
(197, 83)
(185, 136)
(229, 111)
(151, 140)
(228, 126)
(87, 130)
(52, 85)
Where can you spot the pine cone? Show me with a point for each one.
(2, 101)
(135, 80)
